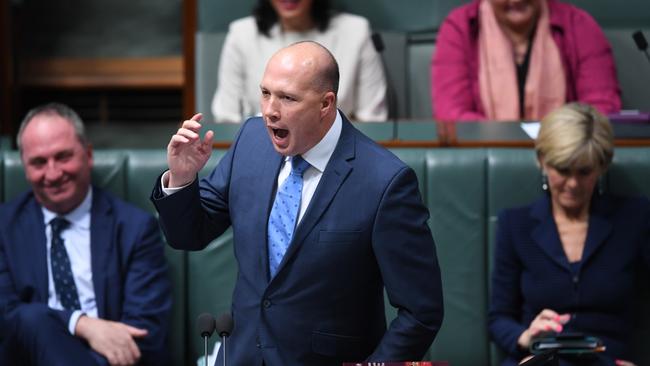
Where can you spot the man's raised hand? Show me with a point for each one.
(187, 153)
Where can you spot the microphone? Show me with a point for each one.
(206, 324)
(224, 325)
(641, 43)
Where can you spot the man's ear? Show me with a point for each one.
(328, 102)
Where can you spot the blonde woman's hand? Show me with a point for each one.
(546, 321)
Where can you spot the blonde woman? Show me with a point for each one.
(566, 263)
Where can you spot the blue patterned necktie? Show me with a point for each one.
(61, 269)
(284, 213)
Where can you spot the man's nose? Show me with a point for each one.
(270, 108)
(53, 171)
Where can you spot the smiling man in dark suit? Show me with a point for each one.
(83, 277)
(323, 220)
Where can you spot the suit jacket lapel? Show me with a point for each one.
(334, 175)
(548, 239)
(29, 234)
(268, 182)
(599, 228)
(101, 247)
(545, 234)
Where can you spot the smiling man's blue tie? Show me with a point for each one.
(61, 269)
(284, 213)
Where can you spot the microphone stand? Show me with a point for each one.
(205, 349)
(223, 344)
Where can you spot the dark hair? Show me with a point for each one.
(329, 76)
(54, 109)
(266, 17)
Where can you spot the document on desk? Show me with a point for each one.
(531, 129)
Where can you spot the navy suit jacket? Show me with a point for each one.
(531, 272)
(128, 264)
(365, 228)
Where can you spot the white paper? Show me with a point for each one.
(531, 129)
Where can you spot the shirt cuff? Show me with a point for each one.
(74, 318)
(164, 181)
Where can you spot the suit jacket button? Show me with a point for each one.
(266, 303)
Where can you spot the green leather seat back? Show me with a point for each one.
(207, 52)
(513, 180)
(609, 14)
(394, 58)
(407, 16)
(420, 52)
(144, 167)
(632, 68)
(378, 131)
(455, 194)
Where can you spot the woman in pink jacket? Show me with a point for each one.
(507, 60)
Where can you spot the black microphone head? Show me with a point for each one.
(378, 42)
(224, 325)
(640, 40)
(206, 324)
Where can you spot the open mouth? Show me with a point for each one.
(280, 132)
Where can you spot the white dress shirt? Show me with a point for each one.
(76, 240)
(317, 157)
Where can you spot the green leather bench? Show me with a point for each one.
(464, 190)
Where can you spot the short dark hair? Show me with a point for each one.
(56, 109)
(329, 77)
(266, 17)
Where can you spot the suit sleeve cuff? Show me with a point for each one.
(164, 182)
(74, 318)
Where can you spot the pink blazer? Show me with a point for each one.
(586, 55)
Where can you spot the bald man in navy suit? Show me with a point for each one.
(359, 226)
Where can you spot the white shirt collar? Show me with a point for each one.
(80, 216)
(319, 155)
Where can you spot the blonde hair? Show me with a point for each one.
(575, 135)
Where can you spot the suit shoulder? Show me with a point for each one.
(12, 208)
(252, 131)
(369, 151)
(120, 207)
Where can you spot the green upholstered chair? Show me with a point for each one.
(208, 51)
(143, 168)
(420, 51)
(612, 14)
(632, 67)
(394, 59)
(513, 179)
(378, 131)
(455, 194)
